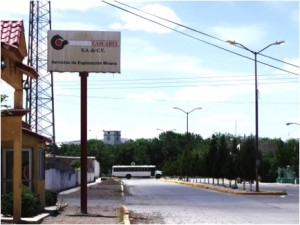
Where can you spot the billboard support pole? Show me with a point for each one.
(83, 147)
(84, 52)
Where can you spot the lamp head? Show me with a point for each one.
(280, 42)
(26, 85)
(230, 42)
(3, 63)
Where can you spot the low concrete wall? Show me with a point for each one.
(60, 175)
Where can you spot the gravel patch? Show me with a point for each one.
(104, 202)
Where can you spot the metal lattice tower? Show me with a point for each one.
(39, 99)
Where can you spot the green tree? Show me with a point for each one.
(211, 159)
(155, 153)
(230, 161)
(248, 159)
(124, 153)
(283, 154)
(287, 153)
(140, 156)
(293, 147)
(4, 99)
(69, 150)
(222, 156)
(268, 168)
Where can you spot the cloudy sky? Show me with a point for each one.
(165, 65)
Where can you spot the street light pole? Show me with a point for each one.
(185, 157)
(187, 116)
(256, 99)
(165, 131)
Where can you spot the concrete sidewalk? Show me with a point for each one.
(32, 220)
(59, 206)
(226, 189)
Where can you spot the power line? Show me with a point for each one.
(170, 21)
(152, 86)
(197, 31)
(188, 35)
(184, 80)
(203, 82)
(200, 77)
(166, 100)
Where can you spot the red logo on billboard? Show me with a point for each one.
(58, 43)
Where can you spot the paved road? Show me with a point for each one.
(180, 204)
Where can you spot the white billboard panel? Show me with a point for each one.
(84, 51)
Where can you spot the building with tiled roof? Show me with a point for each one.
(12, 35)
(13, 50)
(22, 150)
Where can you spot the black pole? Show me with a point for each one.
(83, 162)
(187, 123)
(257, 161)
(256, 124)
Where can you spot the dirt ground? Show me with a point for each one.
(72, 215)
(107, 189)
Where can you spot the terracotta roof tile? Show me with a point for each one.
(11, 32)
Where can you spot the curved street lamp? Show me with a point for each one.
(165, 131)
(290, 123)
(256, 97)
(187, 116)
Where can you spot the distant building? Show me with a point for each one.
(112, 137)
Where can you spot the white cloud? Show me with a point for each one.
(147, 96)
(22, 6)
(71, 25)
(227, 117)
(233, 123)
(241, 34)
(71, 133)
(211, 93)
(75, 4)
(140, 131)
(143, 55)
(292, 68)
(160, 62)
(134, 23)
(19, 7)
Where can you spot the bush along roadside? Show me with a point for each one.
(50, 197)
(31, 205)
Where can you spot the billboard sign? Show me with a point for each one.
(84, 51)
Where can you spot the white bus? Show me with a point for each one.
(129, 171)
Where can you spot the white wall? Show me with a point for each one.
(58, 180)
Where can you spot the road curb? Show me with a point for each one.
(126, 219)
(35, 219)
(226, 190)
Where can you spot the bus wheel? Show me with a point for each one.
(128, 176)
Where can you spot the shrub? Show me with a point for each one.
(7, 204)
(50, 197)
(75, 164)
(31, 205)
